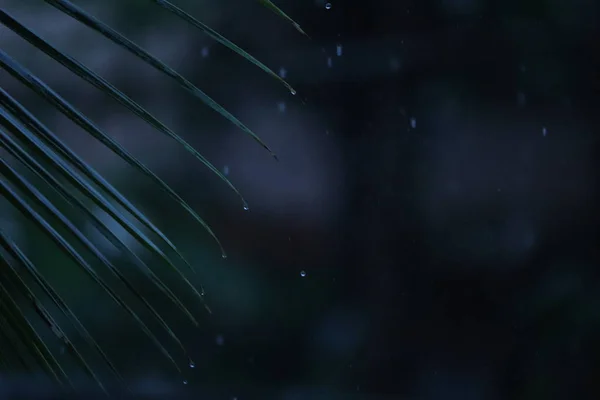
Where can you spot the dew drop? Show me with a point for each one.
(544, 131)
(293, 92)
(413, 123)
(303, 273)
(224, 255)
(185, 382)
(328, 6)
(192, 364)
(246, 207)
(338, 50)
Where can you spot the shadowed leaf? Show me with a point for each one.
(85, 18)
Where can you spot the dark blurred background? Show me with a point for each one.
(429, 232)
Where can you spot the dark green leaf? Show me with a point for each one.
(221, 39)
(269, 4)
(91, 77)
(15, 150)
(31, 81)
(64, 246)
(13, 250)
(100, 27)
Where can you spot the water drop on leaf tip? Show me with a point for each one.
(302, 273)
(328, 6)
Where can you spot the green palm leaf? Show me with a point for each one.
(32, 145)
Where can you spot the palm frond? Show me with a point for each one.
(32, 145)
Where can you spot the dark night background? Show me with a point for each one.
(437, 186)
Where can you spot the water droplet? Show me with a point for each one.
(303, 273)
(281, 106)
(329, 62)
(246, 207)
(413, 123)
(185, 382)
(220, 340)
(293, 92)
(226, 170)
(224, 255)
(282, 72)
(205, 52)
(328, 6)
(544, 131)
(192, 364)
(338, 50)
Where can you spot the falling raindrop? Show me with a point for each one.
(338, 50)
(281, 106)
(413, 123)
(328, 6)
(303, 273)
(226, 170)
(329, 62)
(205, 52)
(282, 72)
(544, 131)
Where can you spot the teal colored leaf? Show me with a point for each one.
(13, 250)
(85, 73)
(16, 151)
(80, 15)
(221, 39)
(269, 4)
(16, 200)
(43, 90)
(15, 278)
(21, 183)
(45, 154)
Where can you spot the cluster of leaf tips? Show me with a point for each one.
(36, 147)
